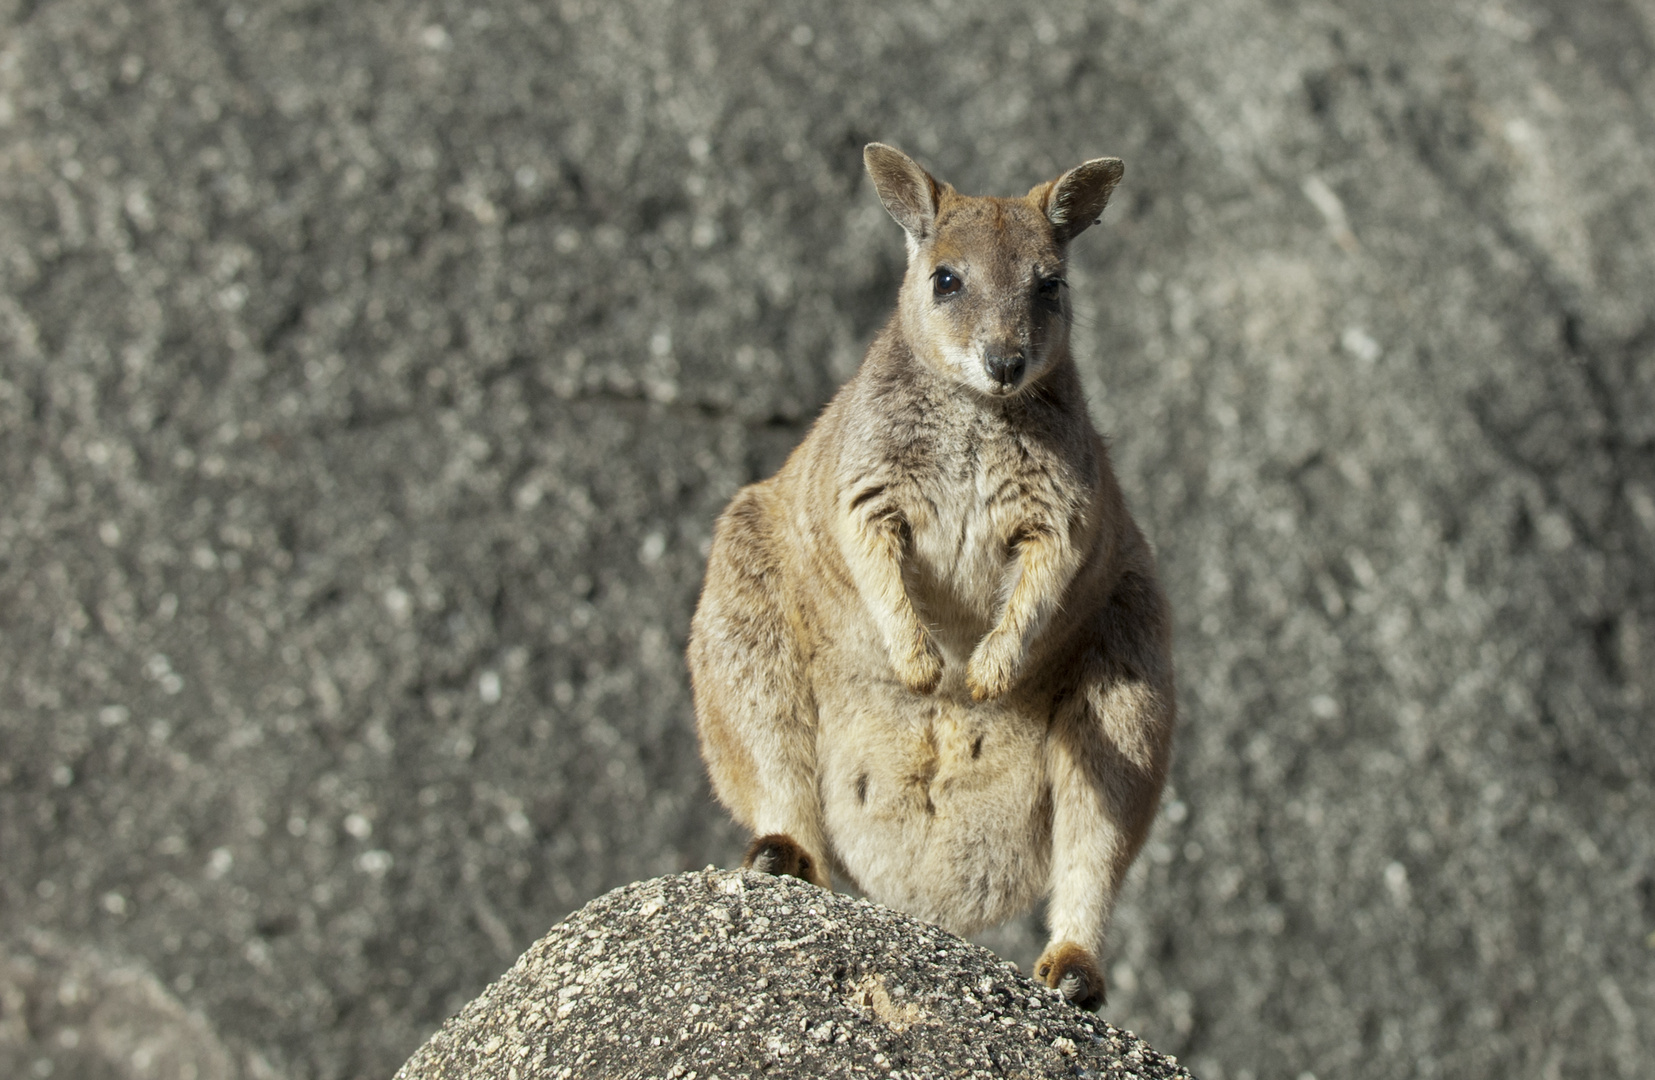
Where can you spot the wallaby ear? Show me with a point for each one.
(1074, 200)
(908, 192)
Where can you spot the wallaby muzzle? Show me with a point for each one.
(1005, 370)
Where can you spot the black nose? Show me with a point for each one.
(1005, 370)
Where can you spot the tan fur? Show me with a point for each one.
(931, 651)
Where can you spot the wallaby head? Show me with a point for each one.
(984, 299)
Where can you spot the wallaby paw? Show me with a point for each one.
(921, 670)
(1071, 969)
(779, 854)
(992, 668)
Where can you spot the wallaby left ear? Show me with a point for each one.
(1074, 200)
(909, 193)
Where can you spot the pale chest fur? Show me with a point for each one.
(968, 493)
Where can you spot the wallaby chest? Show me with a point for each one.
(968, 490)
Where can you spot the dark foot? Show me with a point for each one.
(778, 854)
(1072, 970)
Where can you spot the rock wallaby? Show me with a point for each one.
(931, 653)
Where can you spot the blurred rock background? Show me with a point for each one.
(371, 375)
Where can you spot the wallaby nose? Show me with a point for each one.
(1005, 370)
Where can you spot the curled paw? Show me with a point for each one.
(993, 667)
(1071, 969)
(780, 855)
(921, 669)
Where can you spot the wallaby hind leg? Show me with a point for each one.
(1107, 759)
(753, 708)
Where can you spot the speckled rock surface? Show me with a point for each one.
(729, 973)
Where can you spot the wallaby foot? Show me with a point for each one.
(1071, 969)
(780, 855)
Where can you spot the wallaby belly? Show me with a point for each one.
(933, 804)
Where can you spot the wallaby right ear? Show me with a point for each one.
(1074, 200)
(908, 192)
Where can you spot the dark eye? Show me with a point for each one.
(947, 282)
(1051, 288)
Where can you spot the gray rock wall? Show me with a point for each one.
(371, 374)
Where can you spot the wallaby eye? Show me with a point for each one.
(946, 282)
(1051, 287)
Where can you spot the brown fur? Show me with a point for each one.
(1070, 968)
(931, 652)
(777, 854)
